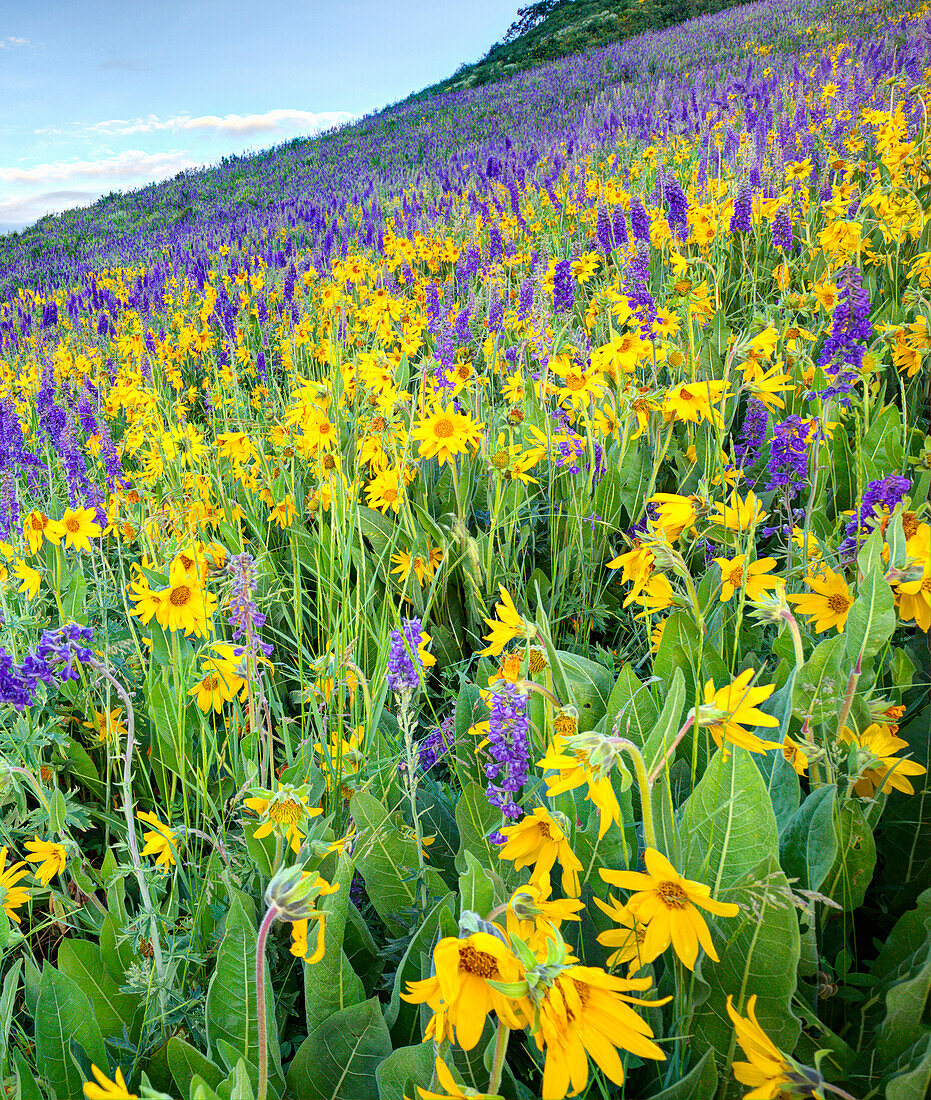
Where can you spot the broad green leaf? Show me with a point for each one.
(476, 818)
(680, 631)
(115, 1011)
(186, 1063)
(480, 890)
(700, 1081)
(808, 847)
(388, 863)
(64, 1016)
(667, 725)
(415, 965)
(331, 983)
(404, 1070)
(27, 1088)
(759, 957)
(630, 708)
(914, 1082)
(589, 686)
(872, 618)
(906, 1005)
(339, 1058)
(728, 822)
(231, 999)
(821, 682)
(116, 954)
(852, 871)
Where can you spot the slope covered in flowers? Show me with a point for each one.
(468, 580)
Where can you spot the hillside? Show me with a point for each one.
(550, 29)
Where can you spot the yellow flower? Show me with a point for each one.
(12, 896)
(459, 991)
(105, 1089)
(879, 766)
(532, 916)
(674, 513)
(696, 402)
(451, 1091)
(35, 530)
(539, 841)
(50, 857)
(159, 841)
(184, 605)
(795, 755)
(627, 938)
(637, 565)
(829, 602)
(586, 758)
(740, 515)
(423, 567)
(508, 626)
(444, 433)
(108, 725)
(31, 578)
(737, 574)
(587, 1012)
(76, 527)
(284, 810)
(668, 905)
(726, 711)
(768, 1071)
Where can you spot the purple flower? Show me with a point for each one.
(782, 230)
(508, 727)
(563, 287)
(752, 433)
(525, 301)
(639, 221)
(741, 218)
(405, 668)
(436, 744)
(842, 353)
(879, 500)
(245, 618)
(788, 454)
(54, 658)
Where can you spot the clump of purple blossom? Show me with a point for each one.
(508, 726)
(405, 668)
(842, 353)
(879, 499)
(245, 617)
(788, 454)
(55, 657)
(436, 744)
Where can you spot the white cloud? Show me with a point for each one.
(279, 121)
(132, 164)
(19, 212)
(12, 41)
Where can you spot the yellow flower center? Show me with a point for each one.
(736, 576)
(544, 828)
(575, 382)
(444, 428)
(538, 662)
(389, 494)
(379, 424)
(582, 989)
(565, 725)
(180, 596)
(211, 683)
(500, 459)
(286, 812)
(839, 603)
(479, 963)
(38, 522)
(73, 524)
(672, 895)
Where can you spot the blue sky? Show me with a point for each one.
(103, 95)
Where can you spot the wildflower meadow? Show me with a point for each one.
(465, 588)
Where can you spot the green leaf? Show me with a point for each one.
(631, 707)
(667, 725)
(116, 954)
(760, 957)
(27, 1088)
(231, 1000)
(855, 860)
(388, 863)
(416, 963)
(115, 1011)
(728, 822)
(7, 999)
(680, 631)
(480, 890)
(589, 686)
(906, 1002)
(872, 619)
(339, 1058)
(403, 1070)
(808, 847)
(700, 1081)
(64, 1016)
(476, 818)
(820, 683)
(913, 1083)
(186, 1063)
(331, 983)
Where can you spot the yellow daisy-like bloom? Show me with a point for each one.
(637, 565)
(533, 917)
(539, 841)
(50, 857)
(444, 433)
(768, 1072)
(795, 754)
(423, 567)
(829, 602)
(914, 596)
(108, 725)
(284, 812)
(451, 1091)
(508, 626)
(184, 604)
(105, 1089)
(740, 514)
(35, 528)
(77, 527)
(725, 712)
(12, 896)
(696, 402)
(754, 578)
(880, 767)
(31, 578)
(668, 905)
(587, 1012)
(160, 841)
(675, 513)
(627, 937)
(459, 992)
(584, 759)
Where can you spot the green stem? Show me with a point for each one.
(267, 922)
(497, 1062)
(643, 782)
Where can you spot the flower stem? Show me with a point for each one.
(848, 697)
(643, 782)
(497, 1062)
(267, 922)
(687, 725)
